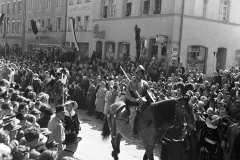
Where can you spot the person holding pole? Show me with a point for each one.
(137, 89)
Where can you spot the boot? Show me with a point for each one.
(132, 126)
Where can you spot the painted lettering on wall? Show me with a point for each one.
(83, 8)
(98, 34)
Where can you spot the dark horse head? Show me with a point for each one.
(174, 113)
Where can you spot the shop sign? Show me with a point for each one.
(82, 8)
(42, 37)
(98, 34)
(161, 39)
(193, 49)
(174, 53)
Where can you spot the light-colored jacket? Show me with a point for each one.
(55, 125)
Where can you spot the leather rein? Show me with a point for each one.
(177, 125)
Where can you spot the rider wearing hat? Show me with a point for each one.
(136, 86)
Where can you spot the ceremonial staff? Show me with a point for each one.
(136, 90)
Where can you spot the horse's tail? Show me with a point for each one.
(105, 130)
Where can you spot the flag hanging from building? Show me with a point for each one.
(5, 29)
(72, 20)
(1, 18)
(34, 27)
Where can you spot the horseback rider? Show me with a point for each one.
(136, 91)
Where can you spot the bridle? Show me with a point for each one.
(177, 124)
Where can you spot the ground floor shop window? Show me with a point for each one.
(123, 52)
(196, 59)
(110, 50)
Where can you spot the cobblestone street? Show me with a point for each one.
(93, 148)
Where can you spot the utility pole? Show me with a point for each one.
(23, 24)
(181, 30)
(66, 22)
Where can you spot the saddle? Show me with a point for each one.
(124, 113)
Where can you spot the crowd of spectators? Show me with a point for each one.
(94, 85)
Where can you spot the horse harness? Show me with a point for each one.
(177, 125)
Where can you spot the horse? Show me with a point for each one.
(152, 125)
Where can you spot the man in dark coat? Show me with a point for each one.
(172, 69)
(91, 97)
(85, 86)
(194, 151)
(43, 121)
(78, 95)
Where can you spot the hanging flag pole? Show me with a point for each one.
(72, 21)
(5, 34)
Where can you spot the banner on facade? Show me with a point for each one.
(6, 19)
(34, 27)
(1, 18)
(72, 20)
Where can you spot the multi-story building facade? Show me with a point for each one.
(14, 14)
(204, 38)
(50, 16)
(81, 11)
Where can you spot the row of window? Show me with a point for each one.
(46, 25)
(109, 8)
(80, 24)
(16, 7)
(71, 2)
(16, 27)
(39, 4)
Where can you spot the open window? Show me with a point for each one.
(146, 7)
(105, 9)
(157, 6)
(128, 9)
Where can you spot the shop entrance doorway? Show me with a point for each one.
(99, 46)
(153, 48)
(221, 59)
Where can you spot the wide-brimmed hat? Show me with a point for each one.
(48, 111)
(60, 109)
(51, 144)
(11, 126)
(45, 131)
(35, 111)
(215, 119)
(74, 103)
(8, 118)
(71, 138)
(35, 75)
(42, 139)
(17, 87)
